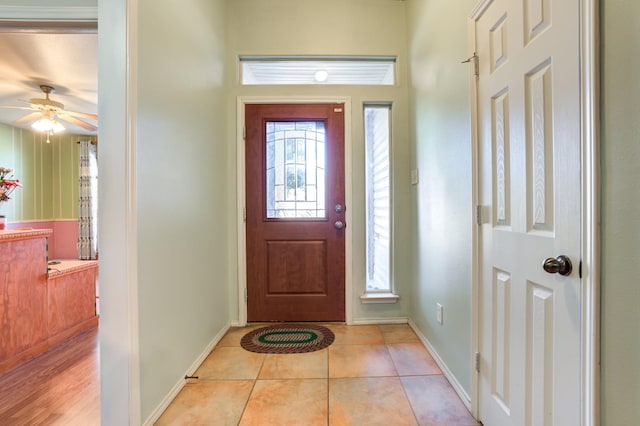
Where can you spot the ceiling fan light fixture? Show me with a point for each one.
(47, 125)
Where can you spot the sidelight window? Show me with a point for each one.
(378, 198)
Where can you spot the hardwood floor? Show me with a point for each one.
(60, 387)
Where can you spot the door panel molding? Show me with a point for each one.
(590, 208)
(241, 101)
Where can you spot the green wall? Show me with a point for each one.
(441, 148)
(47, 171)
(182, 186)
(620, 55)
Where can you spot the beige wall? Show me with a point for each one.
(441, 149)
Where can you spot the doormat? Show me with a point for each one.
(287, 339)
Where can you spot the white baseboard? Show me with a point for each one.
(466, 400)
(168, 399)
(373, 321)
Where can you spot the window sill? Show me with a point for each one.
(379, 298)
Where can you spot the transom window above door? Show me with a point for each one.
(312, 70)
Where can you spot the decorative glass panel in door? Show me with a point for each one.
(295, 169)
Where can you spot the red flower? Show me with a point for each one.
(7, 185)
(11, 183)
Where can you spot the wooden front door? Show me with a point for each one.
(295, 212)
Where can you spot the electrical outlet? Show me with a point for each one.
(439, 312)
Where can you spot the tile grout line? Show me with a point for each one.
(328, 388)
(404, 391)
(255, 381)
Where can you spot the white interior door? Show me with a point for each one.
(529, 163)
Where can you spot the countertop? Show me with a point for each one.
(23, 234)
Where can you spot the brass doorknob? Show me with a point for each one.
(560, 265)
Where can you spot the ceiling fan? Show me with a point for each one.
(47, 112)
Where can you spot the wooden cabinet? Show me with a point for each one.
(23, 296)
(39, 310)
(72, 300)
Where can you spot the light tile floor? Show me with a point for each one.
(370, 375)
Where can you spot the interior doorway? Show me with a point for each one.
(45, 24)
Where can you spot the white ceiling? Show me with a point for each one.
(67, 61)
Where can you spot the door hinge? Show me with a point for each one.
(476, 66)
(246, 295)
(477, 362)
(479, 215)
(244, 133)
(244, 214)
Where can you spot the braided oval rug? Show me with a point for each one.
(287, 339)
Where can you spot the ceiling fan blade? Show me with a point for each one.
(27, 118)
(66, 117)
(81, 115)
(16, 107)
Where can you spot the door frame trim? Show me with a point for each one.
(590, 211)
(241, 192)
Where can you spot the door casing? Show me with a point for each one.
(241, 194)
(590, 235)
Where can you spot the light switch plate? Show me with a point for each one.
(414, 177)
